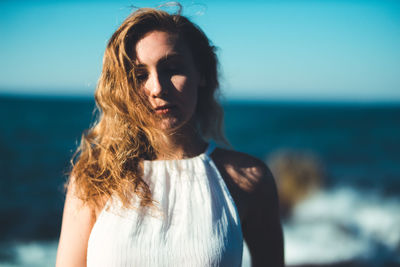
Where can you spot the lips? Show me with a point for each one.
(164, 109)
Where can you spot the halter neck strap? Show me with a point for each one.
(210, 148)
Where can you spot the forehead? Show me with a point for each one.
(158, 45)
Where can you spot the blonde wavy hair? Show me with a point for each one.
(110, 156)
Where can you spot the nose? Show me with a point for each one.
(155, 86)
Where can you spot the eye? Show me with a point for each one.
(141, 75)
(173, 69)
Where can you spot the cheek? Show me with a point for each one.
(179, 82)
(186, 88)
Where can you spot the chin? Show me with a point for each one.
(172, 124)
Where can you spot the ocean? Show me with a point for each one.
(351, 219)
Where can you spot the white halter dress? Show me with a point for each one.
(196, 223)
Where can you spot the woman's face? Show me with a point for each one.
(169, 77)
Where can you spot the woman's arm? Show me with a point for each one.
(77, 223)
(262, 229)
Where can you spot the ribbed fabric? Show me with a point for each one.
(195, 222)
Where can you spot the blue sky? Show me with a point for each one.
(280, 49)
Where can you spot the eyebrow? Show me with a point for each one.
(168, 57)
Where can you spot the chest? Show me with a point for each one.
(184, 237)
(194, 223)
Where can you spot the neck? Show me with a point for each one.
(185, 144)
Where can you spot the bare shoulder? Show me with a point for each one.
(242, 170)
(253, 188)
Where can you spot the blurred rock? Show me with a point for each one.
(297, 175)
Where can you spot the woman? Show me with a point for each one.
(149, 188)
